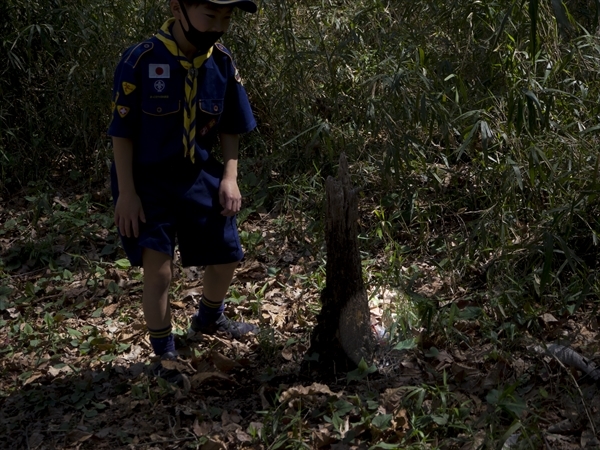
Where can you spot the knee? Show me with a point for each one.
(158, 278)
(223, 270)
(157, 271)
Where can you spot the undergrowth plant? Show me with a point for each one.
(472, 132)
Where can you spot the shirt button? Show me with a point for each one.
(159, 109)
(215, 108)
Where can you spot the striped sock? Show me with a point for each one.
(162, 341)
(209, 311)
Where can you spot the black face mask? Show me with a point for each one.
(202, 40)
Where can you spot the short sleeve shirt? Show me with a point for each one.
(149, 99)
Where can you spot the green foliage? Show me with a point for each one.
(485, 109)
(362, 371)
(472, 132)
(56, 83)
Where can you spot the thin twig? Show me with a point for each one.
(47, 297)
(18, 275)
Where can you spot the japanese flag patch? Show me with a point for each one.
(123, 111)
(159, 71)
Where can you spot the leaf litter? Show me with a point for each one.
(75, 358)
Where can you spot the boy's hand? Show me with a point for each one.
(127, 212)
(230, 197)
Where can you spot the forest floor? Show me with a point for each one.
(75, 357)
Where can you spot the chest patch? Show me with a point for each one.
(159, 71)
(159, 85)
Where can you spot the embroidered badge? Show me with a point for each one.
(204, 131)
(159, 85)
(123, 111)
(159, 71)
(128, 88)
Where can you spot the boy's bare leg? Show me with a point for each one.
(217, 279)
(155, 297)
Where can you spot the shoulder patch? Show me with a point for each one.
(122, 110)
(137, 52)
(128, 88)
(225, 50)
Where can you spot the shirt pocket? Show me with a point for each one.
(161, 107)
(209, 115)
(213, 107)
(162, 130)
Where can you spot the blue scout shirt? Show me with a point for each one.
(148, 102)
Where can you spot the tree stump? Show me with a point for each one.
(342, 336)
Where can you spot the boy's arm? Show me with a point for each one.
(129, 206)
(229, 192)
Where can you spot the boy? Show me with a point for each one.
(173, 95)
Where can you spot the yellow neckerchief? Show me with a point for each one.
(191, 86)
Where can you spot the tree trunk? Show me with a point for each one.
(342, 336)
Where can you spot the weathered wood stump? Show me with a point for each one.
(342, 336)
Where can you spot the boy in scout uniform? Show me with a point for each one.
(174, 95)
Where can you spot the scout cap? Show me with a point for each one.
(245, 5)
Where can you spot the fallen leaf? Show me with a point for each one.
(78, 436)
(178, 305)
(202, 428)
(214, 444)
(232, 428)
(287, 354)
(400, 422)
(548, 318)
(323, 438)
(134, 353)
(255, 271)
(191, 296)
(589, 440)
(302, 391)
(57, 371)
(103, 433)
(201, 378)
(263, 399)
(225, 419)
(242, 436)
(110, 309)
(222, 362)
(180, 366)
(35, 440)
(13, 313)
(32, 378)
(563, 427)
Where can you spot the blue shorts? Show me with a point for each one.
(181, 205)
